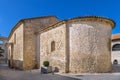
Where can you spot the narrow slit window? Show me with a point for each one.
(14, 38)
(52, 46)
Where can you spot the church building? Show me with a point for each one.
(76, 45)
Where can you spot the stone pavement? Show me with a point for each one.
(97, 76)
(113, 75)
(12, 74)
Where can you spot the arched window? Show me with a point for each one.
(116, 47)
(52, 46)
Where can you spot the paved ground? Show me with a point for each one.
(103, 76)
(12, 74)
(114, 75)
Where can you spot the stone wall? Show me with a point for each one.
(57, 57)
(89, 47)
(30, 27)
(29, 46)
(115, 55)
(16, 48)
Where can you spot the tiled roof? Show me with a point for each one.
(115, 36)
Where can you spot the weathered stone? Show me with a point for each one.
(86, 45)
(22, 41)
(15, 49)
(78, 45)
(57, 57)
(89, 49)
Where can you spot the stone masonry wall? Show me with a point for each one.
(89, 47)
(17, 41)
(57, 57)
(31, 26)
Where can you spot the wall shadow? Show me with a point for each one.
(115, 68)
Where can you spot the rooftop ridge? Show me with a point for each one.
(99, 17)
(38, 17)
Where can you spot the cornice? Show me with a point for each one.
(94, 19)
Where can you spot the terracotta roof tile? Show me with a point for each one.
(115, 36)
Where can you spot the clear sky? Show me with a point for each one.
(11, 11)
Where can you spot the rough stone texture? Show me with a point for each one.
(89, 47)
(81, 44)
(22, 51)
(32, 26)
(115, 54)
(15, 50)
(57, 57)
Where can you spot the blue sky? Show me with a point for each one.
(11, 11)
